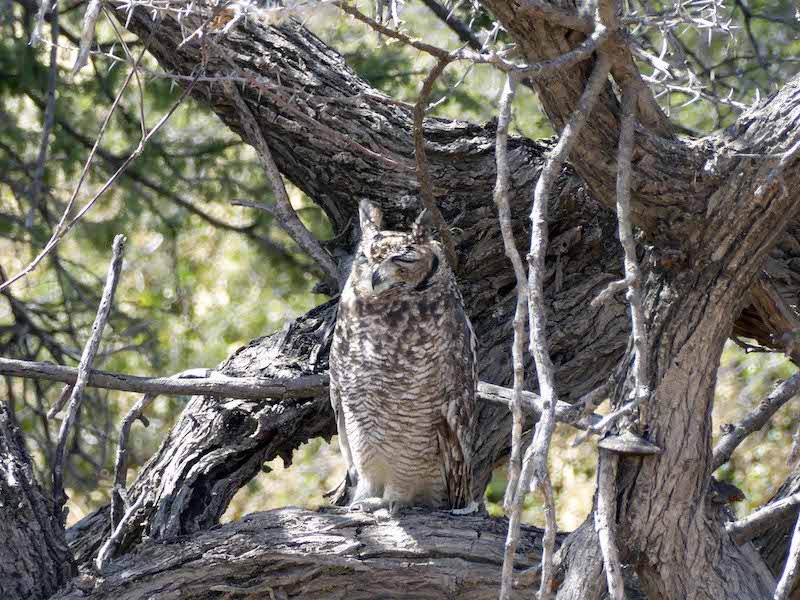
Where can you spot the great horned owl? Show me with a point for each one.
(403, 373)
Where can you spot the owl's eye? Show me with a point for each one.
(407, 258)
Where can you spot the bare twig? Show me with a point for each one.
(605, 515)
(233, 387)
(62, 400)
(535, 461)
(423, 169)
(633, 277)
(256, 388)
(59, 497)
(282, 210)
(121, 463)
(90, 18)
(755, 420)
(60, 230)
(791, 569)
(109, 547)
(49, 116)
(762, 519)
(501, 193)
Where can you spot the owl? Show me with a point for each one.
(403, 374)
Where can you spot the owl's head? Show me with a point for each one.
(394, 260)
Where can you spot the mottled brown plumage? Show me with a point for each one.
(403, 375)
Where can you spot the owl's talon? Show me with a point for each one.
(368, 505)
(469, 509)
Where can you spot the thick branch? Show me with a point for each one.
(298, 553)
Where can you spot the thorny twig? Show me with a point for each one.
(282, 210)
(59, 497)
(61, 229)
(754, 420)
(501, 193)
(423, 168)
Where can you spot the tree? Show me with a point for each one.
(716, 256)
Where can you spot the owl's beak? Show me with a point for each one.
(377, 280)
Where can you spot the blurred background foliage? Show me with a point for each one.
(202, 277)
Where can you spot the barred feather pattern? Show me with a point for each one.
(403, 373)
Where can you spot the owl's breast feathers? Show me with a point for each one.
(403, 382)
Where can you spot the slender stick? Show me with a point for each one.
(89, 352)
(632, 275)
(253, 388)
(49, 117)
(60, 230)
(755, 420)
(423, 169)
(257, 388)
(109, 547)
(792, 568)
(605, 515)
(282, 210)
(501, 193)
(535, 459)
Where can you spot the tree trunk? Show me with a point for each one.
(34, 557)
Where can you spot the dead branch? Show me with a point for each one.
(423, 169)
(501, 192)
(792, 568)
(216, 385)
(755, 420)
(282, 210)
(257, 388)
(605, 515)
(535, 463)
(762, 519)
(89, 351)
(633, 277)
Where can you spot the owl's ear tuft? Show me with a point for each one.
(421, 229)
(370, 216)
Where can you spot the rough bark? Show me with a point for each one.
(296, 553)
(319, 141)
(34, 557)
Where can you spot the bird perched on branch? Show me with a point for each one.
(403, 374)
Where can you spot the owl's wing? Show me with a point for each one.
(339, 495)
(457, 431)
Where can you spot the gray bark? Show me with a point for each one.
(296, 553)
(34, 557)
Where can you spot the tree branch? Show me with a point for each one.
(283, 210)
(89, 351)
(755, 420)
